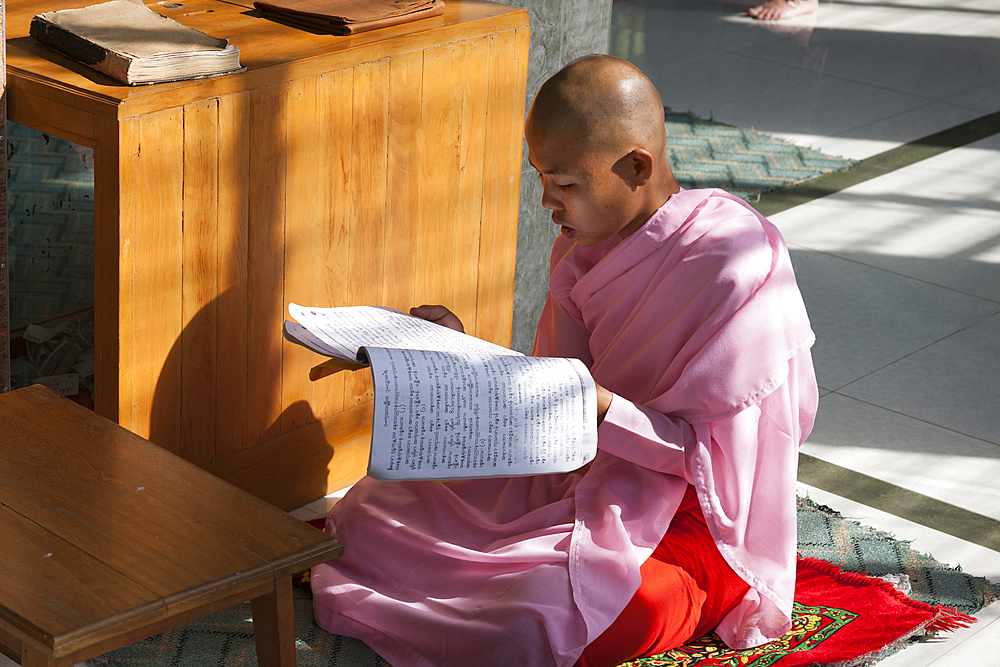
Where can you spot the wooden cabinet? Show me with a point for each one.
(381, 168)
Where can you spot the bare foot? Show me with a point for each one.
(775, 10)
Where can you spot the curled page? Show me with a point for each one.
(341, 332)
(296, 333)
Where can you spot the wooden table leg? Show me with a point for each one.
(274, 625)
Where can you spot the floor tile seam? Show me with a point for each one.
(833, 254)
(991, 624)
(736, 51)
(687, 61)
(961, 38)
(929, 102)
(912, 486)
(939, 661)
(949, 650)
(843, 134)
(880, 164)
(838, 77)
(948, 100)
(752, 23)
(853, 466)
(958, 522)
(950, 429)
(976, 89)
(969, 633)
(981, 320)
(916, 9)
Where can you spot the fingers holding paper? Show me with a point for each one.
(439, 315)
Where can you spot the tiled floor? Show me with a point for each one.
(901, 273)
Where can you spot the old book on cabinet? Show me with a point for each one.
(133, 44)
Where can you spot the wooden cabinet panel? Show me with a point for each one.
(333, 228)
(152, 239)
(501, 183)
(376, 169)
(365, 239)
(232, 360)
(199, 307)
(404, 184)
(265, 271)
(303, 219)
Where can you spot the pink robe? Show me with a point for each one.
(696, 324)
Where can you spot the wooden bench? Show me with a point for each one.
(106, 539)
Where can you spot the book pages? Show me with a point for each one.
(441, 415)
(133, 44)
(125, 27)
(353, 327)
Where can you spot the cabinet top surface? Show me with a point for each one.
(270, 51)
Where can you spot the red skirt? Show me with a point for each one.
(687, 589)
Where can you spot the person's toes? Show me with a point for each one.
(764, 12)
(775, 10)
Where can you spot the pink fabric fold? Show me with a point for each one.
(695, 323)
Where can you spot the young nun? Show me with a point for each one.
(684, 306)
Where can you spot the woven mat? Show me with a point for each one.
(226, 638)
(824, 534)
(708, 154)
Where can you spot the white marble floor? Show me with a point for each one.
(853, 79)
(901, 273)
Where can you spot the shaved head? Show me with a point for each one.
(603, 104)
(597, 139)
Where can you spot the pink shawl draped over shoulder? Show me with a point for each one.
(696, 324)
(696, 321)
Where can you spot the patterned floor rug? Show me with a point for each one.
(226, 639)
(708, 154)
(841, 616)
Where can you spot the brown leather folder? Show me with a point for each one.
(348, 17)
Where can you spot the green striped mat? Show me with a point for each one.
(708, 154)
